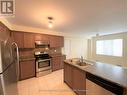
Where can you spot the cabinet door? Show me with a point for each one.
(68, 74)
(2, 27)
(56, 63)
(37, 37)
(27, 69)
(65, 72)
(61, 41)
(18, 38)
(63, 57)
(41, 37)
(45, 38)
(79, 82)
(52, 41)
(29, 40)
(56, 41)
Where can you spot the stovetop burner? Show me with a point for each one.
(41, 56)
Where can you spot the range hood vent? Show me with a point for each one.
(41, 44)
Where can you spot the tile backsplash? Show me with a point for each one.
(56, 51)
(26, 53)
(29, 53)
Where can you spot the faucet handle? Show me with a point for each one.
(81, 58)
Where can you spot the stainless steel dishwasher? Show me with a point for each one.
(99, 86)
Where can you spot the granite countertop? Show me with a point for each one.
(26, 58)
(56, 55)
(106, 71)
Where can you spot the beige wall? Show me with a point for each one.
(109, 59)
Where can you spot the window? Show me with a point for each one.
(109, 47)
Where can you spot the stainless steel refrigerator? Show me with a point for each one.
(9, 64)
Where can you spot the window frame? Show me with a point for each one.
(102, 53)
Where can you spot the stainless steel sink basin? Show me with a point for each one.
(83, 64)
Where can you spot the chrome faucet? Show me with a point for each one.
(81, 59)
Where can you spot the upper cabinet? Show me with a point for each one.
(24, 40)
(56, 41)
(41, 37)
(29, 40)
(3, 28)
(4, 32)
(37, 37)
(18, 38)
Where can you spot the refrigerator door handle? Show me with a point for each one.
(2, 86)
(17, 53)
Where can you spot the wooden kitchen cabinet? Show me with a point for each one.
(75, 78)
(57, 62)
(27, 69)
(3, 28)
(56, 41)
(79, 81)
(18, 37)
(29, 40)
(24, 40)
(41, 37)
(37, 37)
(63, 57)
(6, 31)
(68, 75)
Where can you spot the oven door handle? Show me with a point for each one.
(43, 60)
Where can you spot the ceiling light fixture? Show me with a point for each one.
(50, 21)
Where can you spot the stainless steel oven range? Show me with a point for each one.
(43, 64)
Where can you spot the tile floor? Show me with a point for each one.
(51, 84)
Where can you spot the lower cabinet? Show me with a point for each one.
(75, 79)
(27, 69)
(68, 75)
(79, 81)
(57, 62)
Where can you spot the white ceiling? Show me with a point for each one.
(73, 16)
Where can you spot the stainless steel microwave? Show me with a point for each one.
(41, 44)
